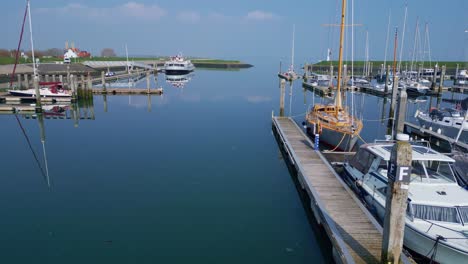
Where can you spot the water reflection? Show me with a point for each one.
(179, 80)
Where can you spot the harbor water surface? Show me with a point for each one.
(192, 176)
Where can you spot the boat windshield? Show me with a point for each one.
(436, 213)
(464, 213)
(432, 171)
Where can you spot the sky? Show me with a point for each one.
(239, 28)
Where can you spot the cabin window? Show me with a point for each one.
(464, 213)
(436, 213)
(440, 170)
(362, 161)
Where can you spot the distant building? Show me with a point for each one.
(75, 52)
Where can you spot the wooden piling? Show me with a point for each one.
(148, 81)
(282, 94)
(394, 97)
(397, 196)
(26, 81)
(103, 81)
(401, 112)
(82, 82)
(434, 77)
(442, 77)
(19, 82)
(53, 77)
(72, 85)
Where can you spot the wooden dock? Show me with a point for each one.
(355, 235)
(123, 91)
(424, 132)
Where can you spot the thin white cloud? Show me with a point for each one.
(188, 16)
(259, 15)
(130, 10)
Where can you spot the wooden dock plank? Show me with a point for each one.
(363, 240)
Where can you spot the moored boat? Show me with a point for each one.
(436, 223)
(178, 65)
(47, 89)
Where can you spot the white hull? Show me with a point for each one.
(44, 92)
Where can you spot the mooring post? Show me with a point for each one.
(456, 74)
(397, 196)
(82, 84)
(394, 98)
(149, 103)
(26, 81)
(441, 82)
(61, 78)
(38, 95)
(147, 82)
(434, 77)
(72, 85)
(90, 83)
(103, 81)
(401, 111)
(19, 82)
(387, 78)
(331, 77)
(282, 94)
(53, 77)
(47, 77)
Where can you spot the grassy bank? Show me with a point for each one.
(9, 60)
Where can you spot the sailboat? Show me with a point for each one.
(290, 75)
(47, 89)
(335, 125)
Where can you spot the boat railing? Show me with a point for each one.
(423, 143)
(447, 228)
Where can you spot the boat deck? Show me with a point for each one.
(354, 233)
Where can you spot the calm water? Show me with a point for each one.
(192, 176)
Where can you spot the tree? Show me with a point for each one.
(54, 52)
(4, 53)
(108, 52)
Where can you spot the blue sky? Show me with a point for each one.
(235, 29)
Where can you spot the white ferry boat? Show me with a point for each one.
(436, 224)
(178, 65)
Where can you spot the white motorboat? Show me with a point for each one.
(178, 65)
(414, 87)
(48, 89)
(446, 121)
(436, 223)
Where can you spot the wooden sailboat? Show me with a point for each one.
(335, 125)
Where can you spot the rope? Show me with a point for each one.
(362, 139)
(344, 135)
(19, 45)
(434, 249)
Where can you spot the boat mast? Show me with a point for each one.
(32, 42)
(292, 51)
(402, 38)
(340, 59)
(386, 46)
(126, 53)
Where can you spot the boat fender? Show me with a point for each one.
(439, 131)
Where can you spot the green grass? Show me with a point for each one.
(448, 64)
(9, 60)
(215, 61)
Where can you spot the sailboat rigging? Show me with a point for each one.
(335, 125)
